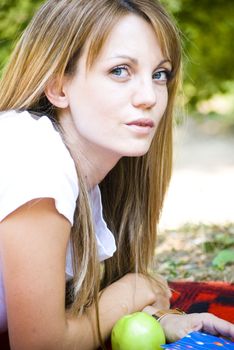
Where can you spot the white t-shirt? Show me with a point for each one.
(34, 163)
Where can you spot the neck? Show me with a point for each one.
(94, 166)
(93, 161)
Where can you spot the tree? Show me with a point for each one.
(14, 17)
(208, 32)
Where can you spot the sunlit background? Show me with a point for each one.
(202, 187)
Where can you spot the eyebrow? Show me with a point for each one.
(135, 61)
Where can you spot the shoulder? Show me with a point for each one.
(27, 136)
(35, 162)
(29, 141)
(19, 130)
(23, 127)
(17, 122)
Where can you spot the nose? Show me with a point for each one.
(144, 96)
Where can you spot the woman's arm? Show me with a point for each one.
(33, 243)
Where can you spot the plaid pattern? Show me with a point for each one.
(214, 297)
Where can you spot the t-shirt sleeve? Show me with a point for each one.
(34, 163)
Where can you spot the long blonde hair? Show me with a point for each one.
(134, 190)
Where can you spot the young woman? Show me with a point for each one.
(87, 101)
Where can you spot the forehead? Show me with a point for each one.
(132, 35)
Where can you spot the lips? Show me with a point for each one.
(143, 123)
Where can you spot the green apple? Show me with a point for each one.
(137, 331)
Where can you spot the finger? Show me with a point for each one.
(217, 326)
(225, 328)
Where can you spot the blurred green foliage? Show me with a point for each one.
(207, 28)
(14, 17)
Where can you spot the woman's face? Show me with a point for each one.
(116, 106)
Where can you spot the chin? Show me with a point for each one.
(133, 149)
(137, 152)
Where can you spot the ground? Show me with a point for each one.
(198, 218)
(189, 253)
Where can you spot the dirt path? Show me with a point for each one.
(202, 186)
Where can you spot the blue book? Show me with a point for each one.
(199, 340)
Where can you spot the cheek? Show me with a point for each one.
(96, 111)
(105, 103)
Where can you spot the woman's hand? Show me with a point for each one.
(178, 326)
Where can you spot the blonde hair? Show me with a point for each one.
(134, 190)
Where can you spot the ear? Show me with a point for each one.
(55, 94)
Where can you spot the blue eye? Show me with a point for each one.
(162, 75)
(120, 71)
